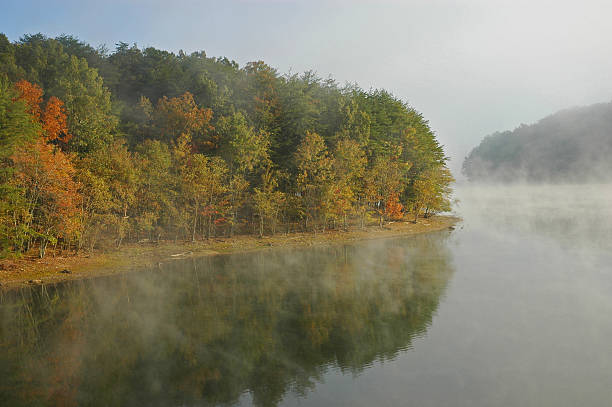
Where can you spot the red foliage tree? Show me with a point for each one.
(46, 175)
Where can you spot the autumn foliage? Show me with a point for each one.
(54, 121)
(181, 115)
(47, 208)
(31, 94)
(393, 207)
(146, 145)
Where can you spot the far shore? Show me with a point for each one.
(30, 271)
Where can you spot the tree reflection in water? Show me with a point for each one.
(205, 331)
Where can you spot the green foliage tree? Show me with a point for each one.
(203, 186)
(349, 164)
(432, 191)
(17, 128)
(314, 177)
(161, 145)
(159, 212)
(70, 78)
(268, 201)
(42, 194)
(383, 181)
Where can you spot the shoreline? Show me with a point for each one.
(31, 271)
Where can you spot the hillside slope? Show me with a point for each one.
(572, 145)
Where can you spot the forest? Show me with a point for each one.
(570, 146)
(99, 148)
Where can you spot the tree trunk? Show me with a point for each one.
(42, 248)
(261, 226)
(234, 220)
(208, 235)
(195, 221)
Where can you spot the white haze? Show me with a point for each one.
(471, 66)
(575, 220)
(525, 319)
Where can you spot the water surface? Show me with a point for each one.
(512, 308)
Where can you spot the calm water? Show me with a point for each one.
(514, 308)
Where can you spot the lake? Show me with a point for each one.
(513, 308)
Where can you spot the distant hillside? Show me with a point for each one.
(572, 145)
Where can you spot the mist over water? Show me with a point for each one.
(525, 320)
(213, 331)
(577, 217)
(512, 308)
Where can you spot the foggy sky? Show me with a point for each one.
(470, 66)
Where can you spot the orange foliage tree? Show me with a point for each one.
(31, 94)
(46, 176)
(181, 115)
(53, 118)
(54, 121)
(393, 208)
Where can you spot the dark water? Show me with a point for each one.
(514, 308)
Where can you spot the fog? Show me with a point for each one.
(510, 308)
(246, 328)
(573, 219)
(572, 145)
(472, 67)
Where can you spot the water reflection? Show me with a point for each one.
(205, 331)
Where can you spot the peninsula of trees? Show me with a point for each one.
(573, 145)
(98, 148)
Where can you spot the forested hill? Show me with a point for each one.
(573, 145)
(100, 147)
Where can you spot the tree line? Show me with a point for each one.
(572, 145)
(98, 148)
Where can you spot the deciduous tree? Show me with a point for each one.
(314, 176)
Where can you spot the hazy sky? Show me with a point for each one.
(470, 66)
